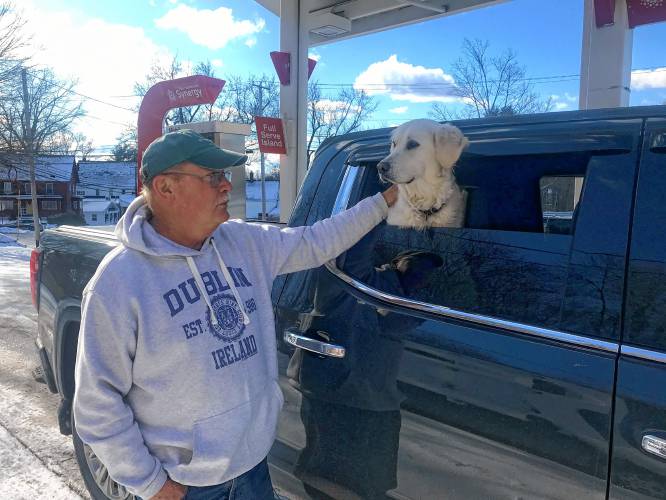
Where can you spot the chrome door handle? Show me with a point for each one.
(654, 445)
(313, 345)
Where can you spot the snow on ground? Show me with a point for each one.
(253, 198)
(36, 461)
(12, 252)
(24, 477)
(11, 230)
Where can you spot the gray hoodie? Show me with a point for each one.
(176, 370)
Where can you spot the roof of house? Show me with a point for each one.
(107, 175)
(97, 205)
(57, 168)
(125, 199)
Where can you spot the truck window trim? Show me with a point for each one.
(568, 338)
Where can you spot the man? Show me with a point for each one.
(176, 372)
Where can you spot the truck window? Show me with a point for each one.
(512, 260)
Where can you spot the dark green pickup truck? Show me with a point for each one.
(528, 362)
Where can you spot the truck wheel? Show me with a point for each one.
(94, 473)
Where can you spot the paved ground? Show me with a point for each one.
(36, 461)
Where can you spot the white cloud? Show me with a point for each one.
(570, 98)
(105, 58)
(332, 109)
(217, 63)
(251, 42)
(648, 79)
(406, 82)
(399, 110)
(210, 28)
(561, 103)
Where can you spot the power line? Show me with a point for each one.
(420, 85)
(71, 91)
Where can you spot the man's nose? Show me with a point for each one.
(225, 185)
(384, 166)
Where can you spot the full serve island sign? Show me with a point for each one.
(270, 134)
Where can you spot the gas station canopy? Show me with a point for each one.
(331, 20)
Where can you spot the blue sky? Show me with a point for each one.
(110, 45)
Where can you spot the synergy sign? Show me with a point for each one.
(270, 134)
(180, 94)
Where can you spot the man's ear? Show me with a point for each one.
(449, 144)
(163, 187)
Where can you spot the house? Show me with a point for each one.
(124, 201)
(100, 212)
(54, 176)
(105, 179)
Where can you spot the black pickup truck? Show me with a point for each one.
(522, 356)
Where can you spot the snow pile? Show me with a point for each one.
(23, 476)
(6, 241)
(11, 230)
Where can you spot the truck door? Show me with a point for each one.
(639, 430)
(479, 362)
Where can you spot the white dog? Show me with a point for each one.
(423, 154)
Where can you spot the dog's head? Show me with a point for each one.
(421, 149)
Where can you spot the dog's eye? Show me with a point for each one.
(392, 143)
(411, 144)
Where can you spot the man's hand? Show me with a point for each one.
(171, 491)
(391, 195)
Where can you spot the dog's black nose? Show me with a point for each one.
(383, 167)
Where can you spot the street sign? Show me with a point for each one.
(270, 134)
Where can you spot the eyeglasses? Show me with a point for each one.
(214, 179)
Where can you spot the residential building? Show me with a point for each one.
(105, 179)
(54, 184)
(100, 212)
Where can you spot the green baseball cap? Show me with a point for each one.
(186, 145)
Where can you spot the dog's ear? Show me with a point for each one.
(449, 144)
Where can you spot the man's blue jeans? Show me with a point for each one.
(255, 484)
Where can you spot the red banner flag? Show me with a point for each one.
(645, 12)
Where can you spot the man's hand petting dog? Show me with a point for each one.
(391, 195)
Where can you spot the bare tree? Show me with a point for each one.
(339, 114)
(53, 106)
(82, 146)
(126, 147)
(490, 85)
(12, 39)
(256, 95)
(35, 108)
(67, 142)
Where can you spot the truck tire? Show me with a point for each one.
(94, 473)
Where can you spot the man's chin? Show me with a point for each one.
(222, 213)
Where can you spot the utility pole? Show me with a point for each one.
(261, 155)
(27, 129)
(18, 206)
